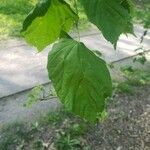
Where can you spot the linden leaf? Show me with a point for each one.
(45, 23)
(112, 17)
(80, 78)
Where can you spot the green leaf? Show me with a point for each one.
(45, 23)
(112, 17)
(81, 79)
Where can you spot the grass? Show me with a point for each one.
(12, 14)
(59, 130)
(133, 78)
(142, 13)
(62, 130)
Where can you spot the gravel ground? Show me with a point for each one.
(128, 126)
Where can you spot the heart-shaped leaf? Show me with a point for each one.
(45, 23)
(112, 17)
(80, 78)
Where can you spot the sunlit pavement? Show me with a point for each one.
(21, 67)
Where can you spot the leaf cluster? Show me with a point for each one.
(81, 79)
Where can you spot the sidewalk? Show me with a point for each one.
(21, 67)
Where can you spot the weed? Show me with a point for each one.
(141, 58)
(34, 96)
(13, 135)
(78, 129)
(37, 145)
(135, 77)
(124, 87)
(103, 116)
(34, 126)
(65, 142)
(54, 117)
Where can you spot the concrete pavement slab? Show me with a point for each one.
(21, 67)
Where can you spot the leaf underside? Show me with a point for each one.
(81, 79)
(45, 23)
(112, 17)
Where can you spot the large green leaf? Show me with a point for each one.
(45, 23)
(81, 79)
(112, 17)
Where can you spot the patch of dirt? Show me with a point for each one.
(128, 126)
